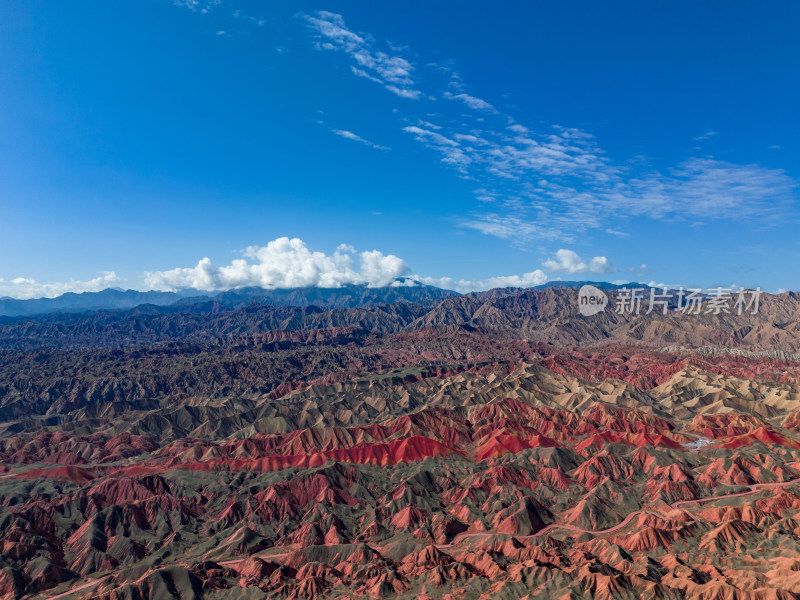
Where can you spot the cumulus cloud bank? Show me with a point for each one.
(568, 261)
(285, 263)
(24, 288)
(290, 263)
(464, 286)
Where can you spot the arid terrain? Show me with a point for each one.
(496, 445)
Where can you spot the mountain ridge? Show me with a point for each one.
(494, 444)
(346, 296)
(548, 315)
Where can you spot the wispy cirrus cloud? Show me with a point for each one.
(242, 16)
(451, 150)
(392, 71)
(545, 183)
(201, 6)
(557, 184)
(471, 101)
(515, 153)
(707, 135)
(551, 182)
(349, 135)
(514, 229)
(714, 189)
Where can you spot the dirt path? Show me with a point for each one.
(753, 489)
(86, 585)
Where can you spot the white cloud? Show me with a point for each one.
(697, 189)
(617, 233)
(238, 14)
(514, 229)
(517, 156)
(453, 153)
(471, 101)
(404, 92)
(285, 263)
(713, 189)
(349, 135)
(706, 136)
(394, 72)
(531, 279)
(640, 270)
(568, 261)
(552, 182)
(363, 73)
(432, 136)
(26, 287)
(290, 263)
(201, 6)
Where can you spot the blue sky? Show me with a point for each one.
(469, 144)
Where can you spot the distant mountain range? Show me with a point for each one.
(549, 316)
(108, 299)
(350, 296)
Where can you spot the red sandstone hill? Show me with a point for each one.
(484, 447)
(447, 499)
